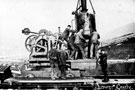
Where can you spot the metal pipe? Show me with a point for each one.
(84, 5)
(34, 32)
(72, 23)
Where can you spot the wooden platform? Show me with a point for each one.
(69, 84)
(110, 61)
(76, 80)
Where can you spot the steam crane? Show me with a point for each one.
(85, 19)
(81, 74)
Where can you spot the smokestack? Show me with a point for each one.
(59, 29)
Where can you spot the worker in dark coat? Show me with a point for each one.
(54, 63)
(63, 56)
(66, 32)
(58, 63)
(103, 63)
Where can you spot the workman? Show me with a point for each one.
(103, 63)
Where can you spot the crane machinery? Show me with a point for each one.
(81, 74)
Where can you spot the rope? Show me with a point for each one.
(92, 7)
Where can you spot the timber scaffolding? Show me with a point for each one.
(85, 82)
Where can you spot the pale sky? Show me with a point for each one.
(16, 15)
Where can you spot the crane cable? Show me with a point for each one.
(92, 7)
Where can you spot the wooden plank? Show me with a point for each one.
(85, 80)
(82, 61)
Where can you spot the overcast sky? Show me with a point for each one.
(50, 14)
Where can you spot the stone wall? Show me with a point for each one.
(115, 67)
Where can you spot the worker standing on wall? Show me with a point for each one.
(103, 63)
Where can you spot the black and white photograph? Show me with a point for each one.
(67, 44)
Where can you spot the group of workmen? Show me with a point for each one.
(76, 44)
